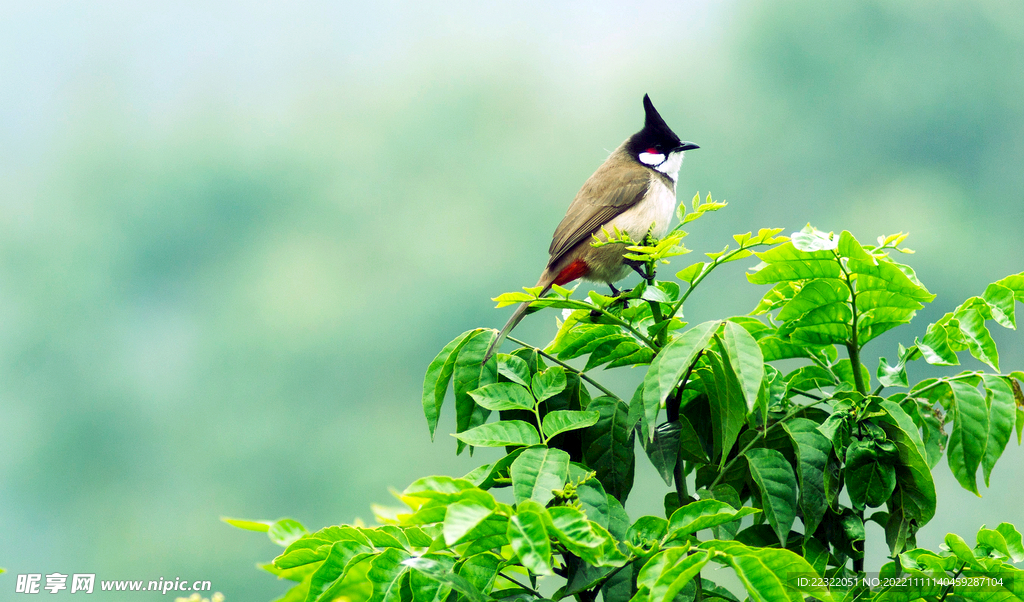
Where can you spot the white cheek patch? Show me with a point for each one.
(671, 166)
(652, 158)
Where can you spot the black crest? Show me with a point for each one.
(656, 133)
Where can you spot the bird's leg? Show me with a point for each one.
(615, 292)
(641, 268)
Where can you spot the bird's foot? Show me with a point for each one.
(641, 268)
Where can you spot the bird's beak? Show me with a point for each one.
(685, 146)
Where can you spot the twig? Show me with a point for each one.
(566, 366)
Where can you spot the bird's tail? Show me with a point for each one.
(517, 316)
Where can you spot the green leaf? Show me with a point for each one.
(537, 472)
(704, 514)
(745, 360)
(584, 538)
(503, 396)
(663, 449)
(480, 571)
(549, 383)
(514, 368)
(608, 446)
(969, 435)
(810, 239)
(469, 375)
(691, 272)
(1001, 415)
(560, 421)
(913, 501)
(461, 518)
(529, 540)
(786, 263)
(891, 376)
(261, 526)
(1013, 541)
(870, 479)
(728, 408)
(850, 248)
(340, 557)
(979, 340)
(764, 571)
(500, 434)
(284, 531)
(386, 573)
(438, 488)
(690, 446)
(812, 449)
(647, 530)
(777, 483)
(670, 365)
(1000, 301)
(439, 374)
(680, 567)
(441, 572)
(935, 347)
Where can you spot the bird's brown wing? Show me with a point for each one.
(615, 187)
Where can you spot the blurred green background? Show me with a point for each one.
(233, 235)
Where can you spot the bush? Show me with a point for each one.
(770, 416)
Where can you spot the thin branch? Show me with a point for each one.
(761, 435)
(566, 366)
(522, 585)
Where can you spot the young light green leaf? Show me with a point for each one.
(461, 518)
(549, 383)
(284, 531)
(691, 272)
(386, 573)
(261, 526)
(775, 479)
(439, 374)
(810, 239)
(1013, 541)
(537, 472)
(500, 434)
(529, 540)
(503, 396)
(340, 557)
(439, 569)
(560, 421)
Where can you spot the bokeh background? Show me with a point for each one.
(232, 235)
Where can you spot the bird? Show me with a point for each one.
(634, 190)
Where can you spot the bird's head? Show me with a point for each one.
(656, 145)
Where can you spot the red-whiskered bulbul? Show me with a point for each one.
(634, 190)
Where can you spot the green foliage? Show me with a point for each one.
(767, 418)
